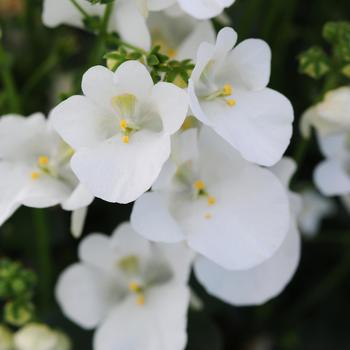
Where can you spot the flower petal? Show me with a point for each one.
(253, 286)
(150, 218)
(85, 295)
(119, 172)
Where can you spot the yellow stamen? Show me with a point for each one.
(208, 216)
(199, 185)
(123, 124)
(35, 175)
(211, 200)
(43, 161)
(227, 90)
(125, 139)
(135, 287)
(171, 53)
(231, 102)
(140, 300)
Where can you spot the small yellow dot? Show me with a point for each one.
(211, 200)
(208, 216)
(134, 287)
(123, 124)
(140, 300)
(35, 175)
(199, 185)
(231, 102)
(171, 53)
(227, 90)
(125, 139)
(43, 160)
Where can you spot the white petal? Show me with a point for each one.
(249, 64)
(45, 192)
(331, 178)
(85, 295)
(251, 217)
(333, 145)
(253, 286)
(80, 198)
(80, 122)
(172, 105)
(151, 218)
(12, 188)
(133, 77)
(284, 170)
(98, 85)
(96, 250)
(203, 32)
(159, 324)
(259, 126)
(204, 9)
(119, 172)
(131, 24)
(157, 5)
(77, 221)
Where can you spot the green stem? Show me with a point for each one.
(8, 81)
(44, 262)
(80, 9)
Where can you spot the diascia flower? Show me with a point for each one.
(227, 209)
(128, 16)
(204, 9)
(34, 167)
(120, 129)
(132, 291)
(265, 281)
(228, 93)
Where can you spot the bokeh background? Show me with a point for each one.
(313, 312)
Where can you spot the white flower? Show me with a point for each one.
(6, 339)
(315, 208)
(229, 210)
(128, 16)
(204, 9)
(332, 176)
(120, 129)
(265, 281)
(34, 167)
(329, 116)
(134, 292)
(37, 336)
(228, 93)
(179, 36)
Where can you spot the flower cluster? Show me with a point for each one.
(202, 159)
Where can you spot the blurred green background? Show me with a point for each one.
(313, 312)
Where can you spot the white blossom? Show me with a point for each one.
(227, 209)
(204, 9)
(37, 336)
(132, 291)
(34, 167)
(120, 130)
(259, 284)
(228, 93)
(315, 208)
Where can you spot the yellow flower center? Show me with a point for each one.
(138, 289)
(35, 175)
(43, 161)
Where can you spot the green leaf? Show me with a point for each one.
(314, 63)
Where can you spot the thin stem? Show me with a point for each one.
(80, 9)
(9, 82)
(44, 262)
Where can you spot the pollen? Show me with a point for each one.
(140, 300)
(135, 287)
(199, 185)
(231, 102)
(43, 161)
(125, 139)
(211, 200)
(227, 90)
(35, 175)
(208, 216)
(171, 53)
(123, 124)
